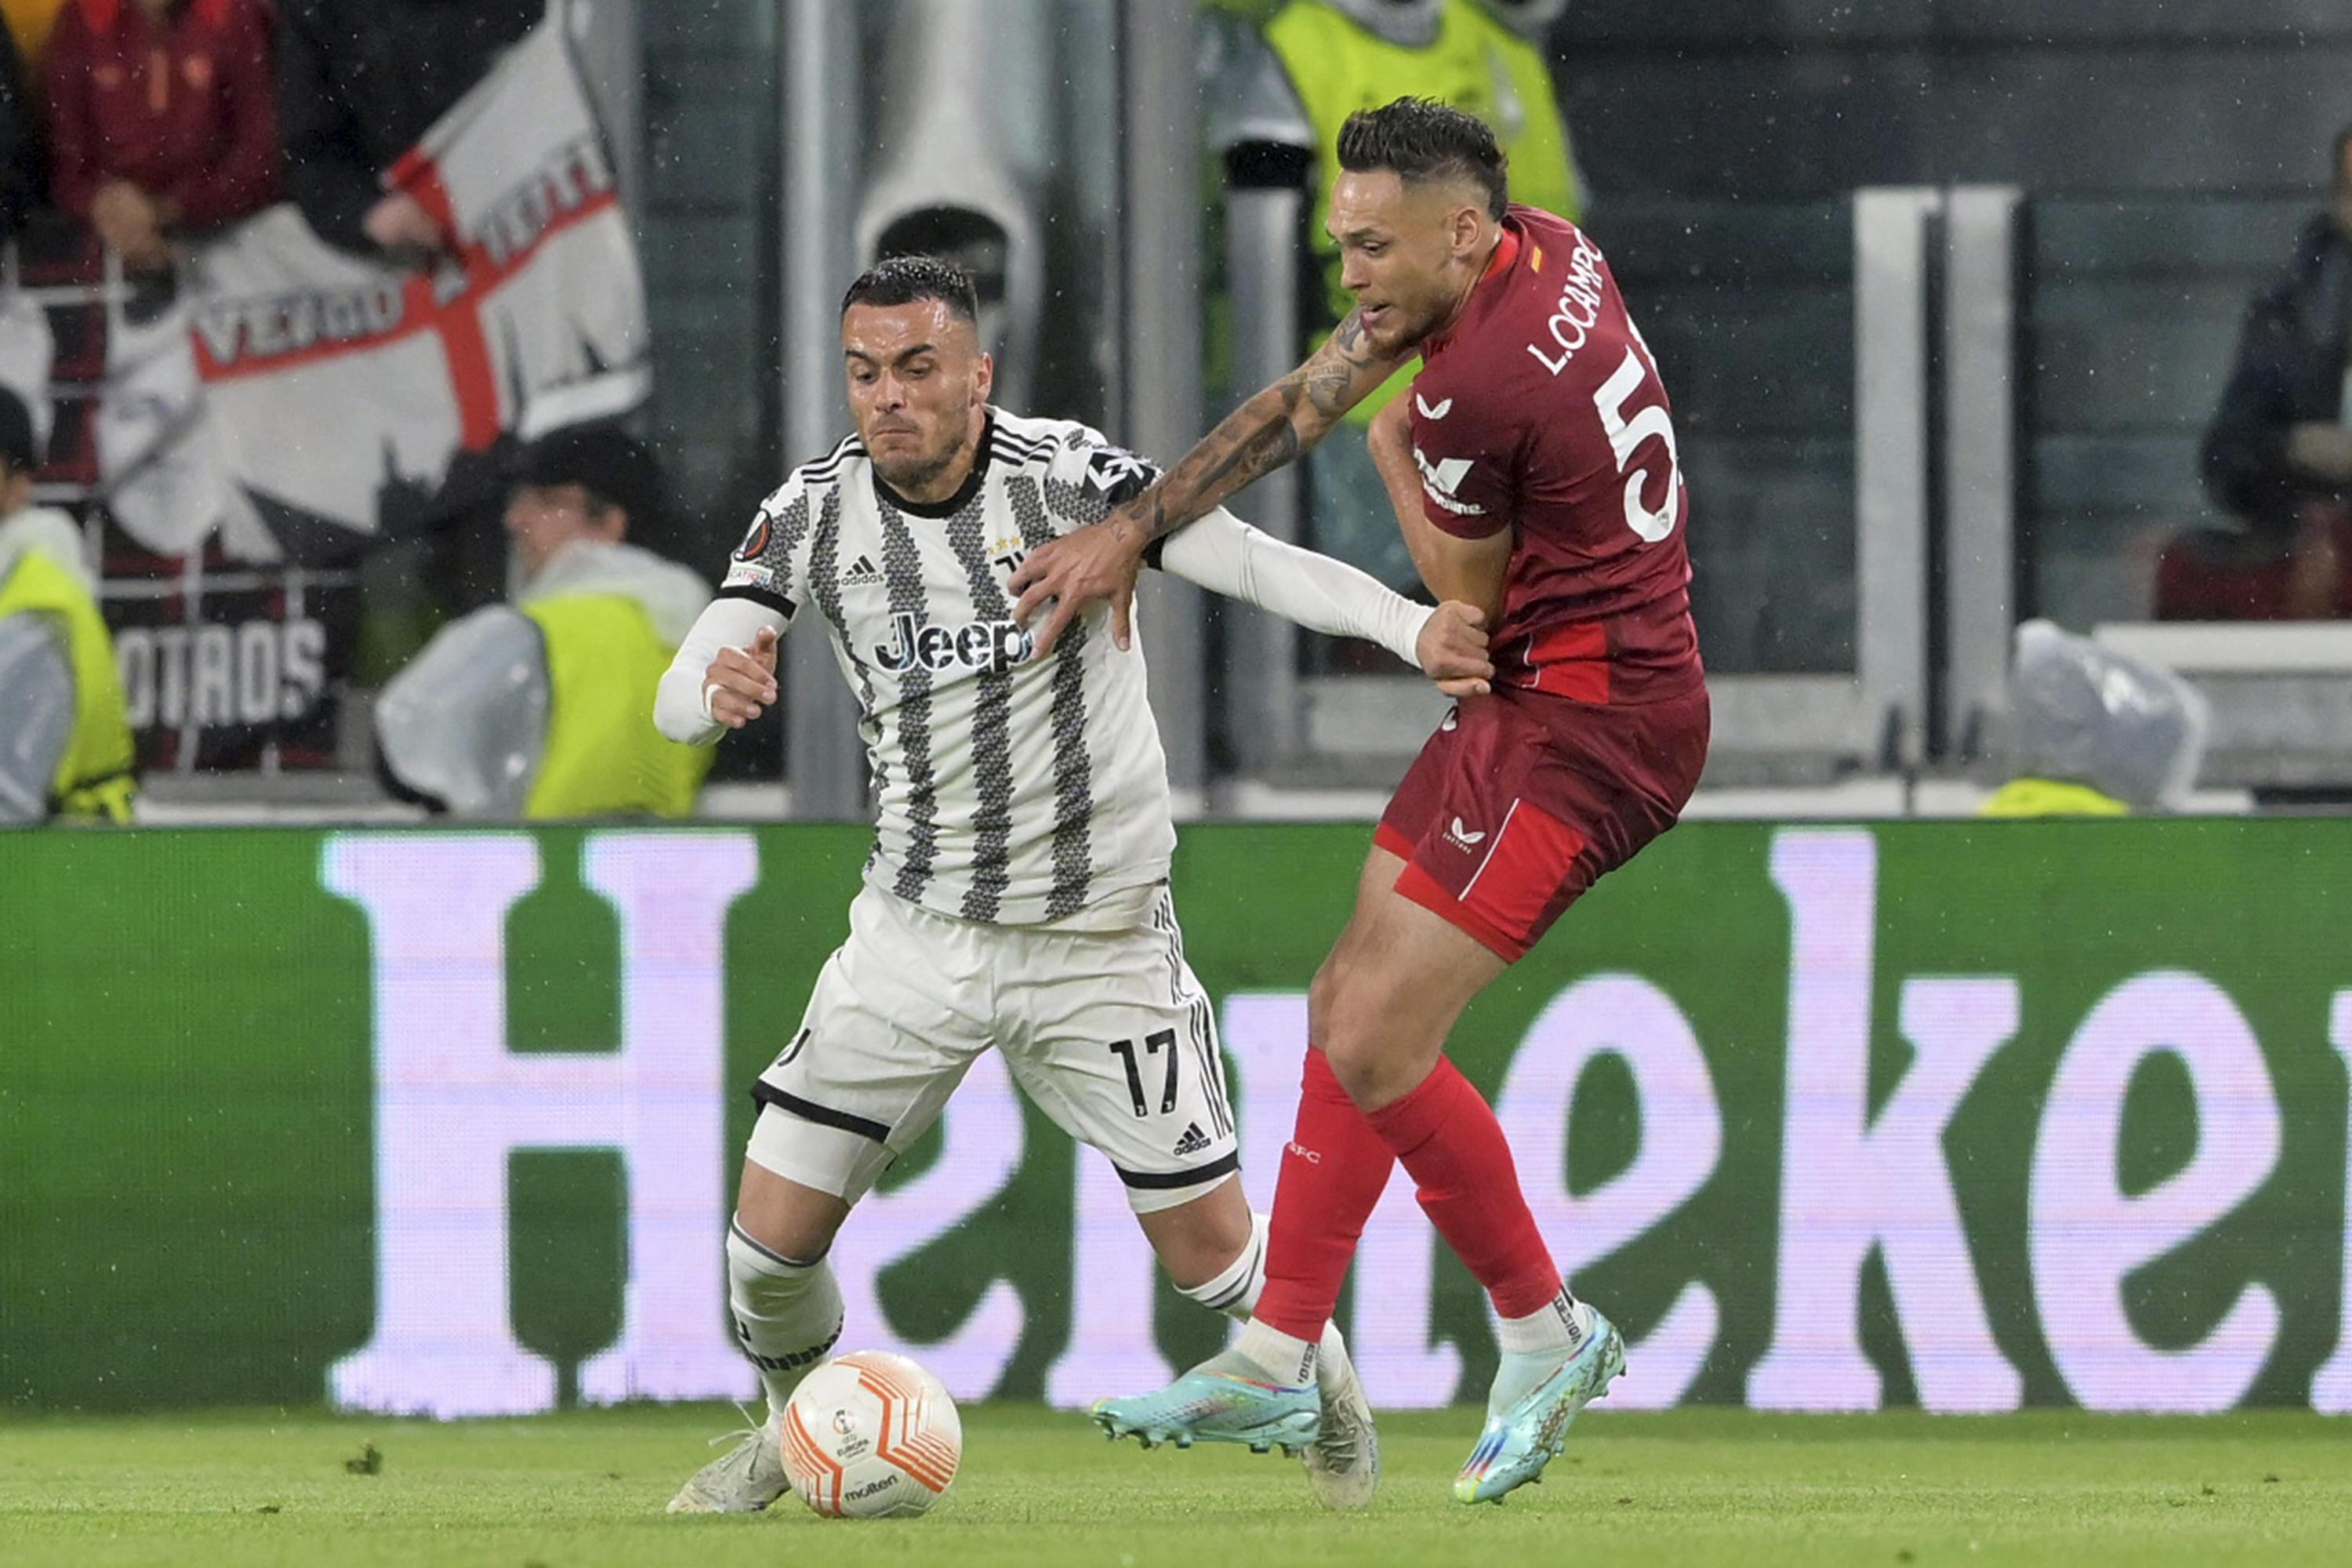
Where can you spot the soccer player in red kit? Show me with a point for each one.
(1535, 472)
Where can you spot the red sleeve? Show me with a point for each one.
(243, 178)
(74, 172)
(1465, 488)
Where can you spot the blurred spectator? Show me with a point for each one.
(21, 174)
(161, 119)
(1324, 59)
(2278, 455)
(1340, 56)
(545, 708)
(65, 744)
(30, 22)
(2096, 732)
(360, 81)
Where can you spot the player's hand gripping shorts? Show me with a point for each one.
(1107, 1030)
(1521, 801)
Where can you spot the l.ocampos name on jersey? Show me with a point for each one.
(990, 646)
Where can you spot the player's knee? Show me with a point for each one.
(1338, 990)
(787, 1218)
(1356, 1058)
(1374, 1062)
(1321, 993)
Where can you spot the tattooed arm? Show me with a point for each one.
(1269, 430)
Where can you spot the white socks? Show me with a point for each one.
(787, 1313)
(1235, 1291)
(1559, 1328)
(1276, 1355)
(1283, 1358)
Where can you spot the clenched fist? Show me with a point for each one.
(1452, 651)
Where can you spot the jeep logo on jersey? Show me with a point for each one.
(1440, 480)
(990, 646)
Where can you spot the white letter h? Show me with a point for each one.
(451, 1104)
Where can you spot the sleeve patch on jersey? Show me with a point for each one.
(1441, 479)
(749, 574)
(1118, 475)
(756, 539)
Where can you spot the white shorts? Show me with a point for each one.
(1107, 1030)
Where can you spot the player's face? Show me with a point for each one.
(917, 390)
(1403, 252)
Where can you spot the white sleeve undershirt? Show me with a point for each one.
(1218, 552)
(681, 703)
(1227, 556)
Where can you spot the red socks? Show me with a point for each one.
(1337, 1165)
(1333, 1173)
(1447, 1137)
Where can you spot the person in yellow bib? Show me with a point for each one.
(541, 707)
(1322, 61)
(66, 753)
(2095, 733)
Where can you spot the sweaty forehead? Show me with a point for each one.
(1382, 200)
(883, 332)
(1360, 202)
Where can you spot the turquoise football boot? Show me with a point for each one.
(1224, 1400)
(1527, 1432)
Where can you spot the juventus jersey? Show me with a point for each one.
(1011, 789)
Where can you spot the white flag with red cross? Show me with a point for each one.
(298, 387)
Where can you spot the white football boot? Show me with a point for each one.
(1343, 1462)
(744, 1479)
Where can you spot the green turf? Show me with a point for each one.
(582, 1489)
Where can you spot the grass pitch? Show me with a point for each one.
(586, 1489)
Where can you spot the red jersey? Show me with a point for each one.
(183, 106)
(1543, 411)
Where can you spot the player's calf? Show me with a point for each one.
(787, 1314)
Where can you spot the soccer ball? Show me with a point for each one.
(871, 1436)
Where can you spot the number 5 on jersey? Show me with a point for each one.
(1626, 435)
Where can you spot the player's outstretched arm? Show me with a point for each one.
(1226, 555)
(1471, 571)
(724, 675)
(1096, 563)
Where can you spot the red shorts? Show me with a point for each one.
(1522, 801)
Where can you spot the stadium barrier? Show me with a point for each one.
(1964, 1115)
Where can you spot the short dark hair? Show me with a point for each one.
(614, 468)
(1421, 139)
(903, 280)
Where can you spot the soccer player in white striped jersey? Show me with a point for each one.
(1016, 896)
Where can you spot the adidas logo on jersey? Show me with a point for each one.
(1465, 837)
(1194, 1140)
(861, 571)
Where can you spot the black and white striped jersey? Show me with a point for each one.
(1010, 789)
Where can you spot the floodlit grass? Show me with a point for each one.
(586, 1488)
